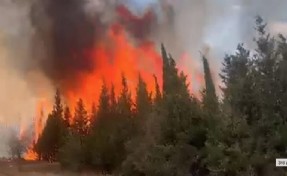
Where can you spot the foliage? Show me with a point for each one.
(51, 139)
(174, 133)
(72, 155)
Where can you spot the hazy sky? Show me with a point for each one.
(228, 19)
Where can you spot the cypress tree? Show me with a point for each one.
(143, 101)
(157, 97)
(125, 101)
(165, 73)
(210, 102)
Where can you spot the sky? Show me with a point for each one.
(228, 17)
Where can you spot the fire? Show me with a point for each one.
(113, 57)
(193, 73)
(118, 55)
(30, 154)
(39, 124)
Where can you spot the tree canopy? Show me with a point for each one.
(174, 133)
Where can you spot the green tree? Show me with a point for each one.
(125, 100)
(143, 101)
(240, 91)
(75, 153)
(137, 144)
(52, 136)
(210, 102)
(104, 146)
(104, 102)
(112, 128)
(251, 131)
(80, 125)
(178, 130)
(72, 155)
(113, 101)
(157, 97)
(67, 117)
(93, 117)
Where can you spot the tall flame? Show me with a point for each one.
(118, 55)
(113, 57)
(38, 128)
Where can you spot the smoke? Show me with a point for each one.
(69, 35)
(141, 27)
(22, 85)
(45, 44)
(66, 31)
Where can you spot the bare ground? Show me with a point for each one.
(24, 168)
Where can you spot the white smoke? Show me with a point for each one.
(20, 87)
(219, 24)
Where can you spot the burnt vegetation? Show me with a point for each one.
(174, 133)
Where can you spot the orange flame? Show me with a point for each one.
(112, 57)
(38, 128)
(118, 55)
(193, 73)
(30, 155)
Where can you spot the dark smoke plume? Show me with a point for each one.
(69, 33)
(140, 27)
(70, 36)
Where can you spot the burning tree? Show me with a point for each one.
(50, 140)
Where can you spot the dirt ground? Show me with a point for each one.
(23, 168)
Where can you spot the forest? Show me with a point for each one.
(174, 133)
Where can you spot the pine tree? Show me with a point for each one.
(143, 101)
(122, 127)
(281, 75)
(210, 102)
(67, 117)
(93, 116)
(158, 97)
(52, 136)
(165, 73)
(113, 128)
(80, 125)
(250, 138)
(113, 101)
(240, 78)
(75, 152)
(125, 101)
(267, 131)
(58, 107)
(104, 102)
(176, 98)
(104, 133)
(140, 141)
(182, 131)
